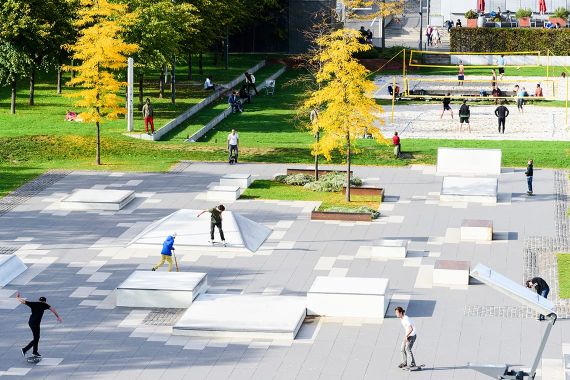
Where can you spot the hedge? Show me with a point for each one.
(511, 40)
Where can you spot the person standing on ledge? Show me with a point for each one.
(166, 253)
(409, 338)
(529, 173)
(35, 321)
(397, 147)
(216, 221)
(541, 288)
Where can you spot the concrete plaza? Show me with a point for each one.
(77, 258)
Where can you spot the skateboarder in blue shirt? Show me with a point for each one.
(166, 253)
(216, 221)
(35, 321)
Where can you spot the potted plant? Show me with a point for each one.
(523, 15)
(559, 16)
(471, 17)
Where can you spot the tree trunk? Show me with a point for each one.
(13, 98)
(216, 55)
(59, 79)
(32, 86)
(189, 65)
(200, 65)
(98, 156)
(161, 85)
(173, 82)
(317, 160)
(348, 167)
(141, 90)
(72, 72)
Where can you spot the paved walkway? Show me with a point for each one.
(78, 258)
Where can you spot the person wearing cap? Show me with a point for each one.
(216, 221)
(166, 253)
(35, 321)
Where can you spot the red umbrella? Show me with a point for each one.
(542, 6)
(481, 6)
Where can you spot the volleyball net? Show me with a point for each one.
(472, 60)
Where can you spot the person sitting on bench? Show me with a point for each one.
(235, 102)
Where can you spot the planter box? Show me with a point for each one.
(312, 171)
(346, 216)
(376, 191)
(471, 22)
(558, 20)
(524, 22)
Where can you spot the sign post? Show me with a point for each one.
(130, 80)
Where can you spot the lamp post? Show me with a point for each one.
(421, 23)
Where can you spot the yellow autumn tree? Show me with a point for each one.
(376, 8)
(102, 52)
(347, 110)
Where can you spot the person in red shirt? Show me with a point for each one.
(396, 142)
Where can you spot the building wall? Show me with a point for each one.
(302, 17)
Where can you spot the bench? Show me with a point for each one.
(476, 229)
(451, 272)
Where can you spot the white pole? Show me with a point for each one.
(130, 80)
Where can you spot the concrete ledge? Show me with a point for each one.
(97, 199)
(390, 249)
(241, 180)
(348, 297)
(375, 191)
(345, 216)
(243, 316)
(223, 193)
(11, 266)
(161, 289)
(476, 229)
(469, 189)
(451, 272)
(469, 161)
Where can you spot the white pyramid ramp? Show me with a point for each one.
(10, 267)
(193, 232)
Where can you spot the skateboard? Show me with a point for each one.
(34, 359)
(413, 369)
(219, 243)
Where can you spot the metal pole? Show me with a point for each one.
(566, 103)
(173, 81)
(393, 97)
(383, 27)
(428, 21)
(421, 23)
(130, 81)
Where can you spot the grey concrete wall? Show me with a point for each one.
(302, 17)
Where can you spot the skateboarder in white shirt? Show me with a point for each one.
(409, 339)
(233, 141)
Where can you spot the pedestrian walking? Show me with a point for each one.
(501, 64)
(541, 288)
(35, 321)
(493, 79)
(529, 172)
(250, 81)
(409, 339)
(436, 37)
(446, 105)
(464, 115)
(215, 221)
(429, 31)
(397, 146)
(148, 115)
(166, 253)
(233, 142)
(461, 73)
(520, 93)
(502, 112)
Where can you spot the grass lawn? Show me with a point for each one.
(267, 189)
(564, 274)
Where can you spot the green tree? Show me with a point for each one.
(101, 51)
(13, 65)
(347, 109)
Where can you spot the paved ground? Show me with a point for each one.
(78, 258)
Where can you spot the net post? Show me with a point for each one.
(566, 103)
(393, 97)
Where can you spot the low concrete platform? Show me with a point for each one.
(469, 189)
(11, 266)
(469, 161)
(161, 289)
(390, 249)
(241, 180)
(97, 199)
(349, 297)
(243, 316)
(451, 272)
(223, 193)
(476, 230)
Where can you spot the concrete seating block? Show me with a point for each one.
(11, 266)
(161, 289)
(469, 189)
(390, 249)
(469, 161)
(241, 180)
(349, 297)
(243, 316)
(223, 193)
(97, 199)
(451, 272)
(476, 229)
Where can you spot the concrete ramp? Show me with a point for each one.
(469, 161)
(193, 232)
(11, 266)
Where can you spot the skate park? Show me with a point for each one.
(306, 295)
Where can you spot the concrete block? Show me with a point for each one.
(469, 189)
(223, 193)
(469, 161)
(451, 272)
(97, 199)
(390, 249)
(241, 180)
(476, 230)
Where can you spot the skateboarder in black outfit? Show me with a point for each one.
(35, 320)
(216, 221)
(541, 288)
